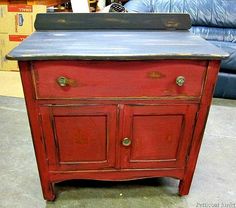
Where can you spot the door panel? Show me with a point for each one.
(147, 132)
(83, 134)
(80, 137)
(159, 135)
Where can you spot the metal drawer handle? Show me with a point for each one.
(126, 142)
(180, 80)
(63, 81)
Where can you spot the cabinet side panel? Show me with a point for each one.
(34, 120)
(208, 90)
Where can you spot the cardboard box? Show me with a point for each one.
(19, 19)
(16, 23)
(3, 42)
(7, 43)
(47, 2)
(13, 1)
(3, 19)
(34, 2)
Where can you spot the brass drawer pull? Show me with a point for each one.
(180, 80)
(126, 142)
(63, 81)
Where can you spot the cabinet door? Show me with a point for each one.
(156, 136)
(79, 137)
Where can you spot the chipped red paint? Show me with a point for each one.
(78, 130)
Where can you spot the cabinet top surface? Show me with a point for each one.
(113, 44)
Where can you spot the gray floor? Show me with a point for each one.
(214, 183)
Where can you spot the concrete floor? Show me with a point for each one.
(214, 183)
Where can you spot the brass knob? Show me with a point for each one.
(180, 80)
(63, 81)
(126, 142)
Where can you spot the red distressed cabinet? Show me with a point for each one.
(123, 102)
(88, 126)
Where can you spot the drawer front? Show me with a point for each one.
(122, 79)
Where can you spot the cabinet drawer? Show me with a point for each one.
(118, 79)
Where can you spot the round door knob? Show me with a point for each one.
(126, 142)
(63, 81)
(180, 80)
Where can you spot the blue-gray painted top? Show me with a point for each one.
(142, 42)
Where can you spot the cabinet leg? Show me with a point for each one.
(48, 191)
(184, 186)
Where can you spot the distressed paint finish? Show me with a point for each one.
(35, 121)
(118, 36)
(159, 134)
(115, 45)
(118, 79)
(80, 137)
(200, 124)
(166, 133)
(89, 91)
(127, 21)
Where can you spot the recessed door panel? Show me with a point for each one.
(80, 137)
(158, 135)
(159, 131)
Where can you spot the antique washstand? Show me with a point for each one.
(116, 96)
